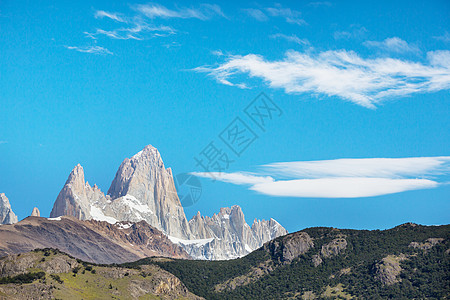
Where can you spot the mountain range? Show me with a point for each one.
(143, 189)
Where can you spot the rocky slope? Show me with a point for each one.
(143, 189)
(7, 216)
(92, 241)
(50, 274)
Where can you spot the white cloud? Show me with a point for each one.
(235, 178)
(320, 3)
(203, 12)
(342, 178)
(257, 14)
(393, 44)
(342, 73)
(445, 37)
(90, 49)
(355, 32)
(364, 167)
(289, 15)
(341, 187)
(135, 33)
(139, 29)
(290, 38)
(99, 14)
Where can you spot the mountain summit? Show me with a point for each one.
(143, 180)
(7, 216)
(144, 190)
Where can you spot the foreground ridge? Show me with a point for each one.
(51, 274)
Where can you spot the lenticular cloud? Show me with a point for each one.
(342, 178)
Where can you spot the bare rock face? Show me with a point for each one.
(388, 269)
(7, 216)
(35, 212)
(427, 245)
(288, 248)
(334, 247)
(144, 181)
(316, 260)
(77, 197)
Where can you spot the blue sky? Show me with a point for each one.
(93, 82)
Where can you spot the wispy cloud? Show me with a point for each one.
(355, 32)
(99, 14)
(342, 178)
(90, 49)
(3, 142)
(320, 3)
(235, 178)
(135, 33)
(343, 74)
(256, 14)
(290, 38)
(393, 44)
(289, 15)
(137, 27)
(445, 37)
(203, 12)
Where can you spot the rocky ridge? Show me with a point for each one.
(93, 241)
(227, 235)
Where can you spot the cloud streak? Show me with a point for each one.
(290, 38)
(289, 15)
(342, 74)
(203, 12)
(341, 178)
(90, 49)
(444, 38)
(100, 14)
(393, 44)
(235, 178)
(134, 33)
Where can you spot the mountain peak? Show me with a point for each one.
(7, 216)
(148, 152)
(35, 212)
(144, 178)
(77, 174)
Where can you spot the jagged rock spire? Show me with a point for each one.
(7, 216)
(35, 212)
